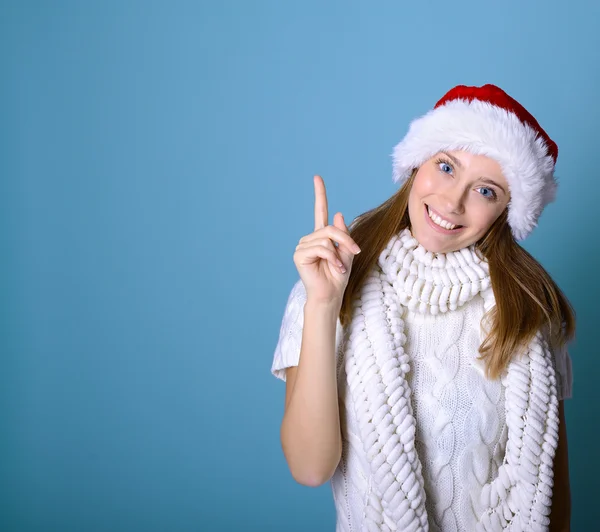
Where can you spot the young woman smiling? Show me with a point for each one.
(424, 350)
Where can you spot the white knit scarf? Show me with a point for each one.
(519, 497)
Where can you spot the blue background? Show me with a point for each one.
(156, 163)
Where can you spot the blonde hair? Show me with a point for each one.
(529, 301)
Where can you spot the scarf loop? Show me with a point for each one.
(406, 275)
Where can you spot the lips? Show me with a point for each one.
(437, 227)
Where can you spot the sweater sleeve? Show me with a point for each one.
(287, 350)
(564, 373)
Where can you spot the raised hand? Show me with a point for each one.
(324, 267)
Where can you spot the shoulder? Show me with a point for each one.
(295, 302)
(298, 291)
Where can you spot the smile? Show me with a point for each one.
(441, 223)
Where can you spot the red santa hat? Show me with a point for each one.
(487, 121)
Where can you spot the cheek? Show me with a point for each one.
(483, 216)
(423, 185)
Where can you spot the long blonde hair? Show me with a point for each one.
(529, 301)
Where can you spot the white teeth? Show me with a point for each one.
(439, 221)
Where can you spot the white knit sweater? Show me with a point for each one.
(461, 427)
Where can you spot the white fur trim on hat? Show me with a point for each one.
(485, 129)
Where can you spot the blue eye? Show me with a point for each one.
(491, 193)
(445, 167)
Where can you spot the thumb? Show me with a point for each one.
(340, 223)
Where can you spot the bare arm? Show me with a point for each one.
(560, 515)
(310, 430)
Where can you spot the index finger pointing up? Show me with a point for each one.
(321, 216)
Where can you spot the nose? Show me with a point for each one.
(454, 199)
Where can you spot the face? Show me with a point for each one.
(455, 198)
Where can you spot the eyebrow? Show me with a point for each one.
(484, 179)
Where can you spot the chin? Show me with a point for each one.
(437, 243)
(430, 242)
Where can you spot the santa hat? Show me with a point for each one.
(487, 121)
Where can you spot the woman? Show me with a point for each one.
(425, 375)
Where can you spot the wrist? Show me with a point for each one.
(327, 307)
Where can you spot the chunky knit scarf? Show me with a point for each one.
(406, 275)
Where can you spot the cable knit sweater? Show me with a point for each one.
(461, 428)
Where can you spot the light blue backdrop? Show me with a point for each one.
(156, 163)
